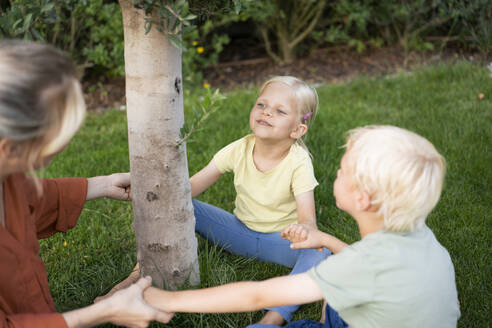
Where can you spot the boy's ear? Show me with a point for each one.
(362, 201)
(299, 131)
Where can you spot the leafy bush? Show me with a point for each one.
(91, 30)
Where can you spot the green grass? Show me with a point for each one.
(439, 103)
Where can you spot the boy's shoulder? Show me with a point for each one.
(383, 248)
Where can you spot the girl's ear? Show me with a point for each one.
(299, 131)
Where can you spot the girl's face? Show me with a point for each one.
(274, 115)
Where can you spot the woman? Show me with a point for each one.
(41, 108)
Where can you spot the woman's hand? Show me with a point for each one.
(115, 186)
(125, 308)
(131, 310)
(119, 186)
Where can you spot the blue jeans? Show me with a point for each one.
(225, 230)
(332, 320)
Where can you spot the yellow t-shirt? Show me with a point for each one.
(265, 200)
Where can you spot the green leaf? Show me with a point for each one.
(27, 22)
(206, 101)
(17, 22)
(37, 35)
(178, 43)
(148, 25)
(190, 17)
(237, 6)
(47, 7)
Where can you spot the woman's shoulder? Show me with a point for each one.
(19, 180)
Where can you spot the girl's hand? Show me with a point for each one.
(303, 236)
(129, 308)
(295, 233)
(119, 186)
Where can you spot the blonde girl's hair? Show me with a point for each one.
(402, 172)
(41, 102)
(306, 99)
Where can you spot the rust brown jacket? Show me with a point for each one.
(25, 300)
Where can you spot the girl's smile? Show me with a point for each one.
(263, 122)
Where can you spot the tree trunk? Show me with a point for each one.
(163, 213)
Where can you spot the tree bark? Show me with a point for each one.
(163, 213)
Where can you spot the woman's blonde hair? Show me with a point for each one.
(401, 171)
(306, 99)
(41, 103)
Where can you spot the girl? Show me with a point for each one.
(41, 108)
(274, 182)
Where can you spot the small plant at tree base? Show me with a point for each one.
(209, 105)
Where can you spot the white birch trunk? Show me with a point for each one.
(163, 213)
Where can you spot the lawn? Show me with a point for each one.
(440, 103)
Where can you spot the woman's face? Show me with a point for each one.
(14, 158)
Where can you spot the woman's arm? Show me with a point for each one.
(204, 179)
(238, 297)
(125, 307)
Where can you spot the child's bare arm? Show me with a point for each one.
(204, 179)
(306, 209)
(303, 236)
(238, 297)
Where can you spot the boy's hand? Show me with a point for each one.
(303, 236)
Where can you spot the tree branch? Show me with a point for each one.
(268, 48)
(308, 30)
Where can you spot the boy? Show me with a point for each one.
(397, 275)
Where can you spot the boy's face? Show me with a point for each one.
(344, 188)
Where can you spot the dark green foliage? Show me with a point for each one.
(439, 103)
(91, 30)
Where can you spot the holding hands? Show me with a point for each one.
(307, 236)
(125, 308)
(303, 236)
(130, 309)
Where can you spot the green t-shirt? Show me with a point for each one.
(391, 280)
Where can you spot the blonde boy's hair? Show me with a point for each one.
(401, 171)
(305, 96)
(41, 103)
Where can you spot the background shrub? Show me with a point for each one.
(91, 30)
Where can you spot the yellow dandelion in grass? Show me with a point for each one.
(195, 43)
(206, 85)
(200, 50)
(64, 243)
